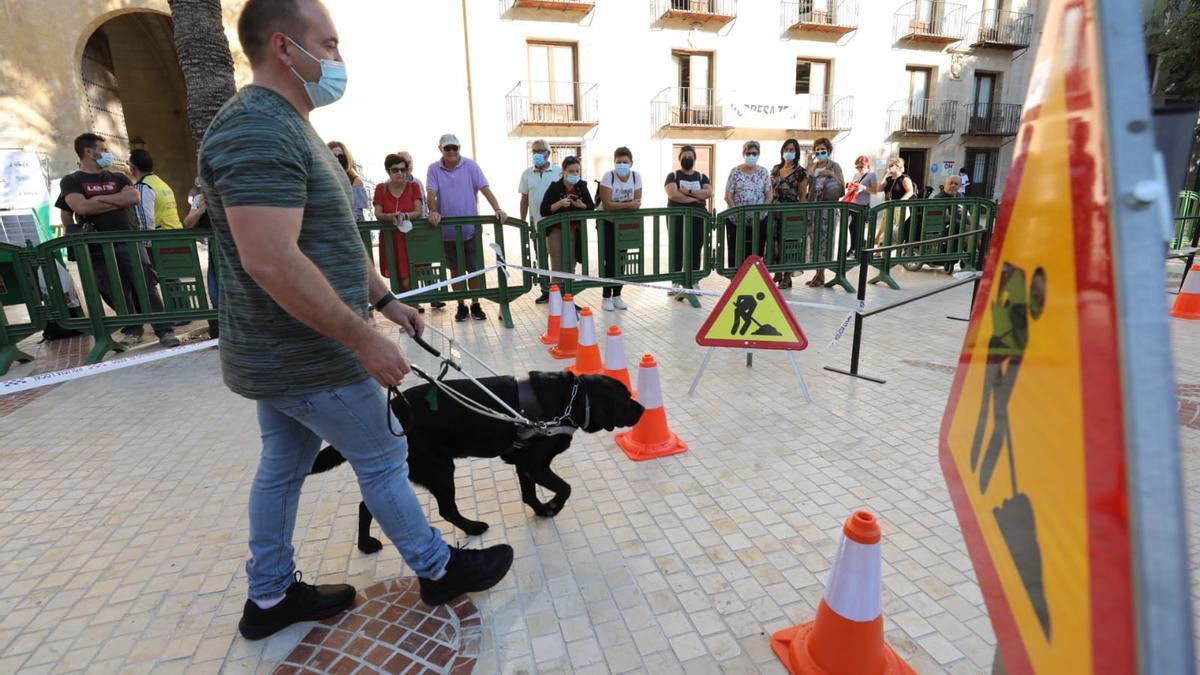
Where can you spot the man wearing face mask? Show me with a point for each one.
(534, 182)
(95, 199)
(296, 283)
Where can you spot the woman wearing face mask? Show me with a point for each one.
(789, 182)
(568, 194)
(357, 188)
(897, 187)
(398, 201)
(858, 191)
(620, 190)
(748, 184)
(826, 184)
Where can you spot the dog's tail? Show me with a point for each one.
(327, 459)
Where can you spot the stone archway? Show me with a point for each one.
(136, 97)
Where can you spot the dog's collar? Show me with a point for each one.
(564, 424)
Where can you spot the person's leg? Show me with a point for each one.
(354, 419)
(156, 303)
(554, 248)
(675, 258)
(610, 256)
(731, 238)
(288, 450)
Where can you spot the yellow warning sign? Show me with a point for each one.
(1032, 442)
(751, 314)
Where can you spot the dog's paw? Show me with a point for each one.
(370, 545)
(474, 528)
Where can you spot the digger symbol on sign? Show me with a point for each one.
(1014, 306)
(743, 316)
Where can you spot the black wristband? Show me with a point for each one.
(383, 302)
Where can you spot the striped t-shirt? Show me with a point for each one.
(259, 151)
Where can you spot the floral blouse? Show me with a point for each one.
(787, 188)
(748, 188)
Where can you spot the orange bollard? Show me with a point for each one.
(587, 360)
(568, 332)
(614, 358)
(1187, 303)
(550, 337)
(846, 638)
(650, 438)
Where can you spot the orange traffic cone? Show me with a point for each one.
(614, 358)
(552, 324)
(650, 438)
(587, 360)
(846, 638)
(568, 332)
(1187, 303)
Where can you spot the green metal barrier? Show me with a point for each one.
(916, 220)
(633, 246)
(107, 260)
(790, 237)
(19, 286)
(427, 259)
(1187, 220)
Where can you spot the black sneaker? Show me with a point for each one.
(302, 602)
(468, 571)
(542, 299)
(437, 304)
(477, 312)
(461, 313)
(168, 340)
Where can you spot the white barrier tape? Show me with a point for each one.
(19, 384)
(837, 335)
(657, 287)
(442, 284)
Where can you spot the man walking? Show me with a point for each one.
(157, 209)
(95, 199)
(296, 285)
(452, 184)
(534, 182)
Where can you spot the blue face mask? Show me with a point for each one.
(332, 84)
(539, 160)
(752, 160)
(572, 179)
(789, 156)
(105, 160)
(822, 155)
(623, 169)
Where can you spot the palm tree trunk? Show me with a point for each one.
(204, 58)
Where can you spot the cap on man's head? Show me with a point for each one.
(448, 139)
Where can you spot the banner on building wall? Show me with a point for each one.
(23, 187)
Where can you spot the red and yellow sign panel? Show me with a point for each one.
(751, 314)
(1032, 443)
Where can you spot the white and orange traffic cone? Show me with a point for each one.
(614, 358)
(1187, 303)
(846, 638)
(650, 438)
(568, 331)
(550, 337)
(587, 359)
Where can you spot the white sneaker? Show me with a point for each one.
(607, 304)
(619, 303)
(674, 292)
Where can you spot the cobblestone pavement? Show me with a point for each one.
(123, 508)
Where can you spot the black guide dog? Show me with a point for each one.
(437, 437)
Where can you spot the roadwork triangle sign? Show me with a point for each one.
(751, 314)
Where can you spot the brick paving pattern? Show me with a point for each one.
(123, 508)
(391, 631)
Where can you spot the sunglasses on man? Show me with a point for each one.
(450, 148)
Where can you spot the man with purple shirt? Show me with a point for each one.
(452, 184)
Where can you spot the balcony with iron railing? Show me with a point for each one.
(992, 119)
(569, 9)
(552, 104)
(922, 116)
(826, 113)
(688, 108)
(715, 13)
(997, 29)
(930, 21)
(833, 17)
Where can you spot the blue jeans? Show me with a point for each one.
(353, 419)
